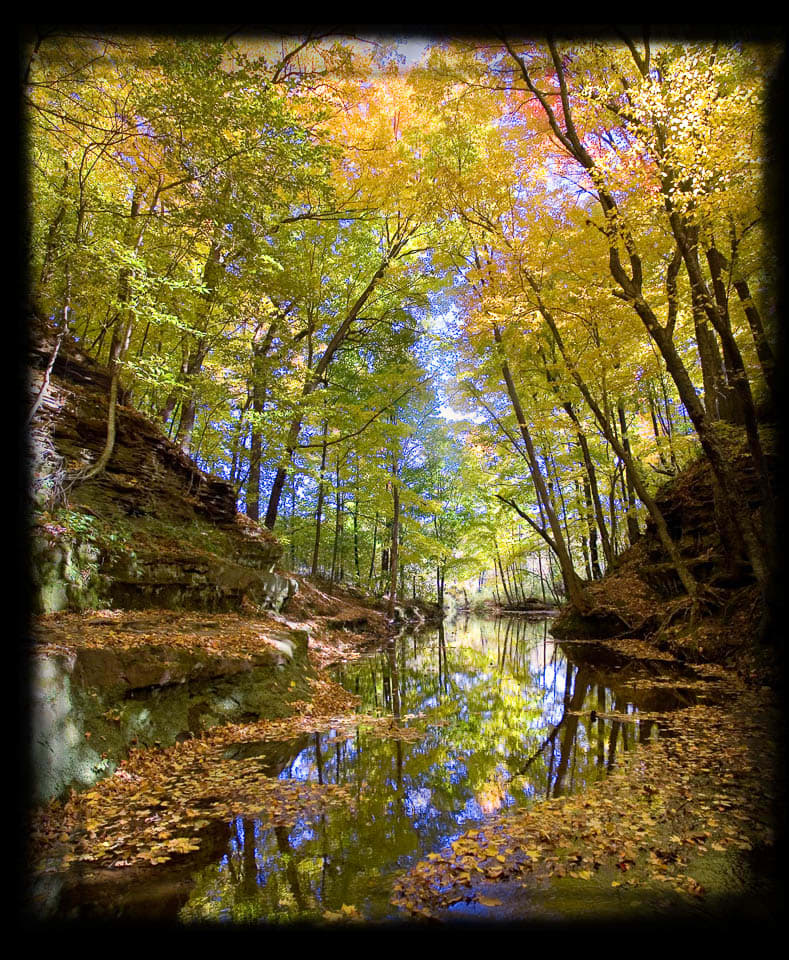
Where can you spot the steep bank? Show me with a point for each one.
(152, 530)
(158, 608)
(641, 595)
(108, 682)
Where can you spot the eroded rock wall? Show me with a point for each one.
(152, 530)
(90, 706)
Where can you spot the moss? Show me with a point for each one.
(51, 596)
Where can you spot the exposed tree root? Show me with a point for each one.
(690, 610)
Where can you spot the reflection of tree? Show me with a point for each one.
(444, 681)
(374, 683)
(394, 678)
(491, 711)
(616, 726)
(248, 881)
(600, 727)
(287, 853)
(570, 731)
(318, 757)
(645, 728)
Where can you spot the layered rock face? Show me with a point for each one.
(91, 704)
(152, 530)
(688, 506)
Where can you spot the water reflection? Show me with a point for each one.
(511, 717)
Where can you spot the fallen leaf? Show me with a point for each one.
(488, 901)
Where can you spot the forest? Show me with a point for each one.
(493, 296)
(447, 315)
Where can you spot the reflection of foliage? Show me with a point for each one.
(672, 813)
(488, 703)
(326, 809)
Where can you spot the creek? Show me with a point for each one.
(507, 716)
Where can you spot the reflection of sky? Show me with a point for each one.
(476, 701)
(539, 680)
(301, 833)
(498, 697)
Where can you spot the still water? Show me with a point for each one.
(507, 715)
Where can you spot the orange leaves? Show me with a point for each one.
(384, 133)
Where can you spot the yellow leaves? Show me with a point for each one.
(693, 887)
(646, 837)
(233, 634)
(182, 845)
(488, 901)
(345, 913)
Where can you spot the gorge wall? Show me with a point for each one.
(642, 596)
(152, 530)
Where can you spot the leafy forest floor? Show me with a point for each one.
(684, 826)
(340, 622)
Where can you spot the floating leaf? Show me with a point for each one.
(488, 901)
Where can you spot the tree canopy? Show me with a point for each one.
(456, 314)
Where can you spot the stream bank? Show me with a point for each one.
(181, 686)
(104, 682)
(480, 771)
(149, 681)
(683, 829)
(736, 624)
(159, 611)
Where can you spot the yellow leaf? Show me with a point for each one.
(489, 901)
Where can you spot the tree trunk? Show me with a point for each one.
(393, 555)
(632, 521)
(590, 522)
(337, 527)
(121, 338)
(503, 579)
(372, 554)
(319, 508)
(631, 292)
(687, 579)
(764, 351)
(318, 374)
(356, 525)
(572, 582)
